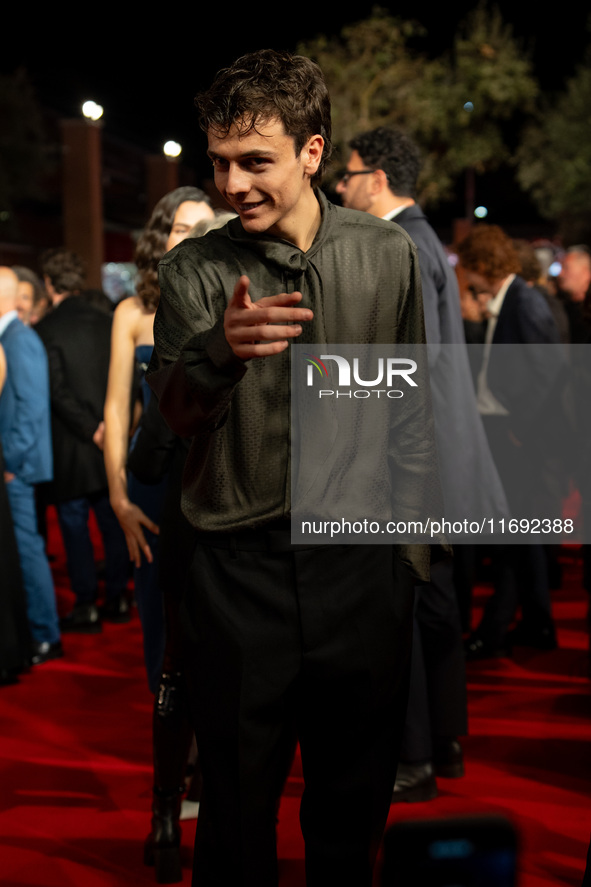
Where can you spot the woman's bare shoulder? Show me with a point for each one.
(132, 315)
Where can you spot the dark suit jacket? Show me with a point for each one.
(77, 337)
(526, 379)
(441, 298)
(471, 486)
(525, 317)
(24, 406)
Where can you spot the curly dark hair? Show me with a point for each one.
(269, 85)
(151, 244)
(488, 251)
(394, 152)
(65, 269)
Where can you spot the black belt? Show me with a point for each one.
(275, 537)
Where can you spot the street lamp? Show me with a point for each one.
(92, 111)
(172, 149)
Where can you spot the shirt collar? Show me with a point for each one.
(496, 303)
(7, 319)
(284, 255)
(394, 212)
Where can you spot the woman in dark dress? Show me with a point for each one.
(139, 508)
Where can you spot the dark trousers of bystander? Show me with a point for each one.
(519, 571)
(438, 705)
(73, 515)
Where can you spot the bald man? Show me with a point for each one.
(25, 433)
(574, 281)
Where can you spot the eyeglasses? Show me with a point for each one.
(358, 172)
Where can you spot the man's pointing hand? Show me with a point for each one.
(263, 328)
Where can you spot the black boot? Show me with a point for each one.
(163, 845)
(171, 735)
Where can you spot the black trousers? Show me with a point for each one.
(281, 644)
(520, 571)
(437, 704)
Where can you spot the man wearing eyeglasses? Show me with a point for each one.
(381, 179)
(359, 193)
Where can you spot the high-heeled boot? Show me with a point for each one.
(163, 845)
(172, 734)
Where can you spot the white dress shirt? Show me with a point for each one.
(487, 403)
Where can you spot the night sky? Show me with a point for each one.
(146, 70)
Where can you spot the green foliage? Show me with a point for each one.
(377, 76)
(488, 69)
(367, 66)
(554, 158)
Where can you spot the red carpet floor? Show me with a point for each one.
(75, 759)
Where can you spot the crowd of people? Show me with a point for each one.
(168, 416)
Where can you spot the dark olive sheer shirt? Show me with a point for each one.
(360, 278)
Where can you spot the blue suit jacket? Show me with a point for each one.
(25, 423)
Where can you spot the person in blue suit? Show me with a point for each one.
(25, 433)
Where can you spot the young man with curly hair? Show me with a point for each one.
(281, 641)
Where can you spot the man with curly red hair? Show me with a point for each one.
(512, 394)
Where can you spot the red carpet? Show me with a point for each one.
(75, 759)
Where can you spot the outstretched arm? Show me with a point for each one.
(116, 435)
(195, 381)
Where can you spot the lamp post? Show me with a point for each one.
(162, 173)
(82, 189)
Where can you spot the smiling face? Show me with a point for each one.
(263, 180)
